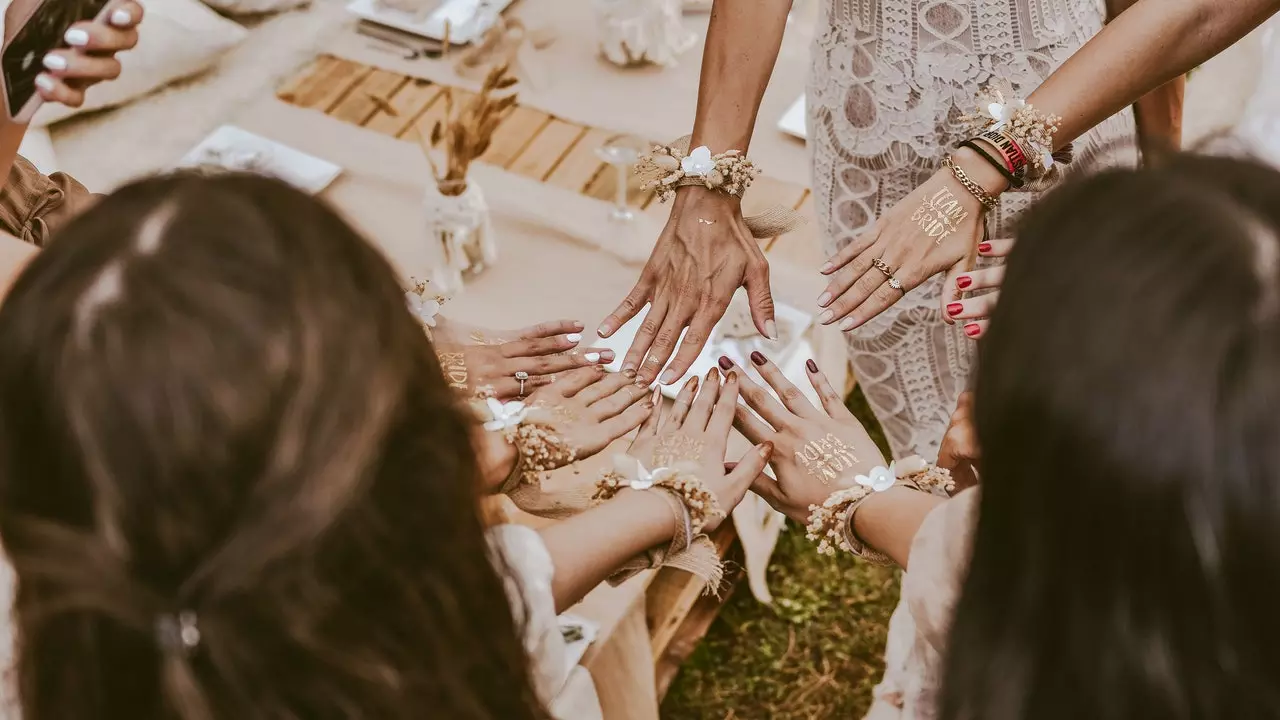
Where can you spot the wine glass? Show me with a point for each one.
(621, 151)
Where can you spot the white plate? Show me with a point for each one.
(232, 148)
(467, 21)
(792, 122)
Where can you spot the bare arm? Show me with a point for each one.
(1158, 114)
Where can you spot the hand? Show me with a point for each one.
(959, 452)
(858, 291)
(587, 408)
(704, 254)
(817, 451)
(73, 69)
(696, 430)
(975, 310)
(480, 361)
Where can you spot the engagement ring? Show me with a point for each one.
(522, 376)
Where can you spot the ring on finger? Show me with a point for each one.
(884, 269)
(523, 377)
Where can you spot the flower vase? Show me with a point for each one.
(460, 227)
(637, 32)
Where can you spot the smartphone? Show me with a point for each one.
(22, 58)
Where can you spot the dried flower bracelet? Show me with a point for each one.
(539, 447)
(831, 523)
(1020, 133)
(729, 172)
(701, 505)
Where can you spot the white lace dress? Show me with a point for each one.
(888, 82)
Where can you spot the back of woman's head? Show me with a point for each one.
(1128, 410)
(233, 482)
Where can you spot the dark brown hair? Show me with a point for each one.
(213, 400)
(1128, 408)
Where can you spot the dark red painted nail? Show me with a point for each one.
(756, 357)
(813, 366)
(972, 329)
(964, 281)
(954, 309)
(725, 362)
(984, 247)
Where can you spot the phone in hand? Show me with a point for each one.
(40, 32)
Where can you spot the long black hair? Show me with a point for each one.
(1126, 558)
(233, 480)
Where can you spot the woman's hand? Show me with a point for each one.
(934, 228)
(959, 452)
(704, 254)
(483, 362)
(975, 312)
(696, 431)
(817, 451)
(89, 55)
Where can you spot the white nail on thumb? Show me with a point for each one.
(592, 357)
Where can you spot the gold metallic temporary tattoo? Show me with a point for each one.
(676, 447)
(480, 338)
(939, 216)
(826, 458)
(454, 365)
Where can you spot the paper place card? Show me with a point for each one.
(792, 122)
(467, 20)
(235, 149)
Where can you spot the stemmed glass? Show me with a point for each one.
(621, 151)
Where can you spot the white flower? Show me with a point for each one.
(1003, 112)
(698, 163)
(908, 466)
(639, 477)
(1046, 160)
(424, 309)
(880, 479)
(504, 415)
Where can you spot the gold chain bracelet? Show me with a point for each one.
(987, 199)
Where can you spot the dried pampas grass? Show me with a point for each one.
(466, 136)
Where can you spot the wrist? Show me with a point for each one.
(653, 518)
(691, 196)
(497, 462)
(980, 171)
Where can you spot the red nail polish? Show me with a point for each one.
(954, 309)
(972, 329)
(984, 247)
(964, 281)
(725, 362)
(756, 357)
(813, 366)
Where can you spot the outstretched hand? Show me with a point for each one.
(705, 253)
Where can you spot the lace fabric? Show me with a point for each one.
(888, 84)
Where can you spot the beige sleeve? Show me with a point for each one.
(34, 205)
(939, 559)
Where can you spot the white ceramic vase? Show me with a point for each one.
(461, 232)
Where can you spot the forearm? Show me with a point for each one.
(888, 521)
(1159, 119)
(589, 547)
(1149, 44)
(742, 45)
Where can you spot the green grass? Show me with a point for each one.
(816, 653)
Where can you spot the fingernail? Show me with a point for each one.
(964, 281)
(713, 375)
(756, 357)
(44, 82)
(733, 375)
(76, 37)
(984, 247)
(604, 330)
(629, 370)
(954, 309)
(848, 324)
(765, 449)
(667, 378)
(607, 356)
(121, 18)
(55, 62)
(771, 329)
(813, 366)
(725, 362)
(826, 316)
(574, 338)
(592, 357)
(824, 299)
(972, 329)
(826, 268)
(692, 384)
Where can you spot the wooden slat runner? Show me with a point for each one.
(529, 142)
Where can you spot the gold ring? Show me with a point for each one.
(884, 269)
(522, 376)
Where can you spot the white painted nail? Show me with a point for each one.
(46, 83)
(771, 329)
(573, 337)
(592, 357)
(76, 37)
(55, 62)
(121, 18)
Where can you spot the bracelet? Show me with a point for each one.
(1020, 132)
(974, 145)
(1008, 148)
(668, 168)
(422, 306)
(539, 447)
(831, 523)
(678, 481)
(988, 201)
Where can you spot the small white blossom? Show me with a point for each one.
(880, 478)
(425, 309)
(638, 476)
(698, 163)
(504, 416)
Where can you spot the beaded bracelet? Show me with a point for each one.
(831, 523)
(988, 201)
(678, 481)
